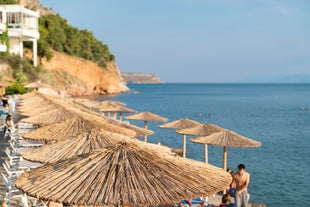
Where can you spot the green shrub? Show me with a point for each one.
(16, 88)
(22, 70)
(9, 1)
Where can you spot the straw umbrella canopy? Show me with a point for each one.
(33, 102)
(28, 95)
(87, 103)
(199, 130)
(140, 132)
(181, 124)
(119, 109)
(72, 127)
(227, 138)
(124, 175)
(146, 117)
(77, 145)
(50, 117)
(36, 85)
(110, 103)
(38, 110)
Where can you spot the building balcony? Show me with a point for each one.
(18, 30)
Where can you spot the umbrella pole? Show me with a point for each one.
(224, 162)
(115, 114)
(145, 127)
(225, 158)
(109, 114)
(206, 153)
(184, 145)
(120, 116)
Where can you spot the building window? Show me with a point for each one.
(14, 19)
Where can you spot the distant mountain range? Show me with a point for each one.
(293, 78)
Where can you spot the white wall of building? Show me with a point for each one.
(15, 46)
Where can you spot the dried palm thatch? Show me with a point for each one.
(146, 117)
(86, 102)
(180, 124)
(36, 85)
(38, 110)
(32, 103)
(226, 138)
(199, 130)
(29, 95)
(110, 103)
(119, 109)
(77, 145)
(72, 127)
(97, 104)
(123, 175)
(50, 117)
(140, 132)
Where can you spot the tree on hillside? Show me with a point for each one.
(9, 1)
(56, 33)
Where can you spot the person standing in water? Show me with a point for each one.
(241, 180)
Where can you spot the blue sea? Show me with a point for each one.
(278, 115)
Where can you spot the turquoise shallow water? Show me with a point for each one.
(276, 115)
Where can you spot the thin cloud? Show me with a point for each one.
(281, 10)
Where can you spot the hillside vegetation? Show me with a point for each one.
(57, 34)
(9, 1)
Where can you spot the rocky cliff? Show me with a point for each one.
(86, 76)
(35, 5)
(140, 78)
(76, 76)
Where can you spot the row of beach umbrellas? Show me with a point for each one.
(94, 160)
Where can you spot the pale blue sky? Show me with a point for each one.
(199, 40)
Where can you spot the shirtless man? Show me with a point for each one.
(241, 180)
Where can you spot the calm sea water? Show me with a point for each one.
(276, 115)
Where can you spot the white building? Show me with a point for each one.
(22, 26)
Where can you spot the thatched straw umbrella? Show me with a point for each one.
(28, 95)
(120, 109)
(77, 145)
(72, 127)
(36, 86)
(146, 117)
(200, 130)
(110, 103)
(123, 175)
(86, 103)
(181, 124)
(140, 132)
(226, 139)
(33, 102)
(38, 110)
(50, 117)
